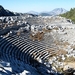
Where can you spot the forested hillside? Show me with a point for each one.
(70, 14)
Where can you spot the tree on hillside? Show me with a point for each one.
(70, 14)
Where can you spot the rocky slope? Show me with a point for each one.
(4, 12)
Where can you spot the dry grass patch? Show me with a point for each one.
(18, 33)
(38, 36)
(56, 28)
(65, 44)
(70, 59)
(46, 30)
(62, 52)
(73, 47)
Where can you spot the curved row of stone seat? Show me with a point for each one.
(34, 44)
(14, 62)
(17, 48)
(23, 50)
(7, 43)
(40, 53)
(45, 44)
(30, 41)
(41, 50)
(3, 43)
(14, 50)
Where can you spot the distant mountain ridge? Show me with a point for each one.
(56, 11)
(33, 12)
(5, 12)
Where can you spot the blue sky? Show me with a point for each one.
(36, 5)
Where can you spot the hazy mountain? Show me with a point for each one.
(33, 12)
(58, 11)
(44, 14)
(4, 12)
